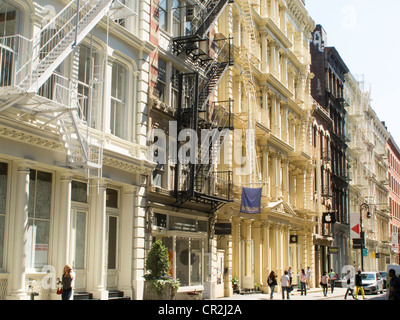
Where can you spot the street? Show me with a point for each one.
(313, 294)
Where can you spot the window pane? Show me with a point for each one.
(37, 243)
(32, 192)
(2, 228)
(157, 178)
(162, 14)
(79, 191)
(43, 195)
(167, 241)
(112, 198)
(3, 187)
(182, 261)
(112, 243)
(183, 224)
(117, 119)
(195, 262)
(160, 220)
(202, 226)
(80, 242)
(118, 92)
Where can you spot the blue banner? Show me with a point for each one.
(251, 200)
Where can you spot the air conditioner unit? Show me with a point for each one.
(190, 13)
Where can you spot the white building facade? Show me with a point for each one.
(73, 125)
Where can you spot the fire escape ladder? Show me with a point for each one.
(250, 30)
(221, 120)
(208, 15)
(59, 37)
(249, 54)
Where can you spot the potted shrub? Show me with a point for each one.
(235, 285)
(159, 285)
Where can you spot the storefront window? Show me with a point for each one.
(196, 261)
(39, 206)
(80, 242)
(182, 260)
(186, 253)
(3, 193)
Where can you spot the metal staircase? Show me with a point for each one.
(207, 14)
(32, 63)
(209, 60)
(219, 182)
(59, 37)
(248, 55)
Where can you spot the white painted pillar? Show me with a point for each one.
(139, 239)
(19, 235)
(126, 223)
(64, 224)
(99, 268)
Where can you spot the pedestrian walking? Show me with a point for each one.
(303, 282)
(308, 280)
(332, 279)
(66, 279)
(285, 284)
(324, 283)
(272, 283)
(358, 283)
(290, 274)
(350, 286)
(394, 286)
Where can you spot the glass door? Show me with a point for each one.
(78, 246)
(112, 250)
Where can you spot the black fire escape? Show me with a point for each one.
(197, 180)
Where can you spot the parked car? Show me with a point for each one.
(372, 282)
(383, 275)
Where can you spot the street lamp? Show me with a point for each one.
(364, 206)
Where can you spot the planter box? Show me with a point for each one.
(149, 293)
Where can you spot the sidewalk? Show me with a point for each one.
(312, 294)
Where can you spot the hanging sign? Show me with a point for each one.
(355, 225)
(251, 200)
(329, 217)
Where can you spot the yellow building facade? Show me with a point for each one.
(272, 144)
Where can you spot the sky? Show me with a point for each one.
(366, 33)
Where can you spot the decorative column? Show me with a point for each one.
(266, 255)
(293, 186)
(264, 51)
(258, 252)
(285, 178)
(279, 250)
(279, 176)
(19, 234)
(139, 239)
(264, 168)
(285, 123)
(274, 175)
(273, 126)
(236, 269)
(64, 223)
(99, 268)
(311, 257)
(127, 226)
(265, 114)
(285, 243)
(278, 131)
(303, 249)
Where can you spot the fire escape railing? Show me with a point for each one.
(210, 59)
